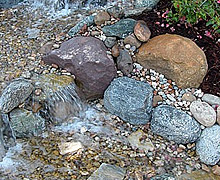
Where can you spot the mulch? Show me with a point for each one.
(198, 33)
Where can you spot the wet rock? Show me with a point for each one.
(110, 42)
(26, 124)
(141, 31)
(177, 57)
(188, 97)
(115, 51)
(129, 99)
(139, 140)
(15, 94)
(211, 99)
(33, 33)
(69, 147)
(203, 113)
(174, 125)
(89, 20)
(120, 29)
(208, 145)
(108, 172)
(101, 17)
(146, 3)
(124, 62)
(197, 175)
(132, 40)
(86, 58)
(163, 177)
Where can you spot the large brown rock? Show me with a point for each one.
(86, 58)
(177, 57)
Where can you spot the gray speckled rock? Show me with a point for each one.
(208, 145)
(120, 29)
(129, 99)
(124, 62)
(146, 3)
(163, 177)
(89, 20)
(14, 94)
(174, 125)
(26, 124)
(108, 172)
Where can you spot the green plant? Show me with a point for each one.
(194, 10)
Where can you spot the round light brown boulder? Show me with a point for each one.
(177, 57)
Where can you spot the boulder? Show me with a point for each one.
(174, 125)
(129, 99)
(86, 58)
(108, 172)
(15, 94)
(203, 113)
(177, 57)
(121, 29)
(208, 145)
(124, 62)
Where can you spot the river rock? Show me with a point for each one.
(121, 29)
(129, 99)
(208, 145)
(108, 172)
(203, 113)
(146, 3)
(141, 31)
(124, 62)
(174, 125)
(26, 124)
(177, 57)
(132, 40)
(86, 58)
(211, 99)
(89, 20)
(15, 94)
(101, 17)
(110, 42)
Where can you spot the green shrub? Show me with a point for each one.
(194, 10)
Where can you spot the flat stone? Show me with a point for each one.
(86, 58)
(24, 123)
(139, 140)
(174, 125)
(108, 172)
(120, 29)
(211, 99)
(15, 94)
(203, 113)
(129, 99)
(141, 31)
(124, 62)
(110, 42)
(188, 97)
(132, 40)
(69, 147)
(101, 17)
(208, 145)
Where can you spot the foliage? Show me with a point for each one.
(194, 10)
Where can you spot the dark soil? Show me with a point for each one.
(210, 45)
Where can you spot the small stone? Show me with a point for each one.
(157, 99)
(216, 170)
(203, 113)
(132, 40)
(95, 33)
(115, 51)
(170, 97)
(69, 147)
(101, 17)
(110, 42)
(218, 115)
(141, 31)
(211, 99)
(188, 97)
(127, 46)
(124, 62)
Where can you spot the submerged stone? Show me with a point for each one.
(129, 99)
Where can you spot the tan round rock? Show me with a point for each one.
(177, 57)
(203, 113)
(101, 17)
(141, 31)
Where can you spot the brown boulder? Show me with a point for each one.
(177, 57)
(86, 58)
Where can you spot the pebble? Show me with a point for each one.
(101, 17)
(188, 97)
(211, 99)
(115, 51)
(203, 113)
(141, 31)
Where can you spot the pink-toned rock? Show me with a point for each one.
(177, 57)
(101, 17)
(86, 58)
(141, 31)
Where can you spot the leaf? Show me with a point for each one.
(210, 22)
(218, 31)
